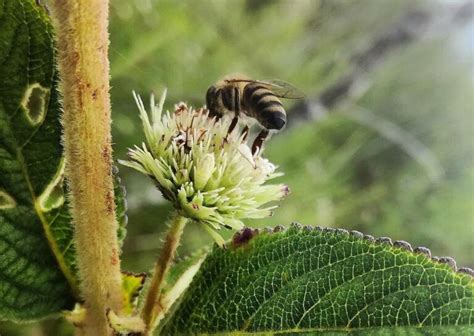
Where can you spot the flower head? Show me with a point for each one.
(208, 174)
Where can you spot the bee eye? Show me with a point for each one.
(211, 92)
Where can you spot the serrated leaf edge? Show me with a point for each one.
(242, 237)
(326, 331)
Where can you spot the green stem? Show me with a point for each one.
(82, 42)
(152, 306)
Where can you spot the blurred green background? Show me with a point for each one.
(394, 157)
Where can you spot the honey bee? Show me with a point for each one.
(258, 99)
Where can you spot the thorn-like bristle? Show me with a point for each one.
(403, 245)
(115, 170)
(124, 192)
(449, 261)
(423, 250)
(466, 270)
(296, 225)
(384, 240)
(356, 234)
(369, 238)
(279, 228)
(342, 232)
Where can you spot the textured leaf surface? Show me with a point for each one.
(31, 282)
(37, 268)
(58, 221)
(381, 331)
(313, 279)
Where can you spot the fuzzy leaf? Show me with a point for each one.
(37, 258)
(59, 222)
(31, 282)
(308, 279)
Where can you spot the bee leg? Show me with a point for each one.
(235, 106)
(245, 133)
(258, 142)
(232, 124)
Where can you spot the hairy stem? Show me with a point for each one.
(82, 41)
(152, 306)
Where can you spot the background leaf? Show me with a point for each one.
(37, 258)
(313, 279)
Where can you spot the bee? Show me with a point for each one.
(258, 99)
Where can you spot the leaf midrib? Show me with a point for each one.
(46, 228)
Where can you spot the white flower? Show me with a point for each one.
(209, 175)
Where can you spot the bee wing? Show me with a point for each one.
(283, 89)
(279, 88)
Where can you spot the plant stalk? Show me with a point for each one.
(82, 43)
(152, 306)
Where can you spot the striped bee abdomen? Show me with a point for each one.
(263, 105)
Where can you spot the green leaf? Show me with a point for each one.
(31, 282)
(58, 222)
(132, 284)
(37, 257)
(381, 331)
(307, 279)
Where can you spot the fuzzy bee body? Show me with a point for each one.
(252, 98)
(256, 99)
(225, 97)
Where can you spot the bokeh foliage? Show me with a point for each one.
(395, 161)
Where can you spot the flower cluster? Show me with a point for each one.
(209, 174)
